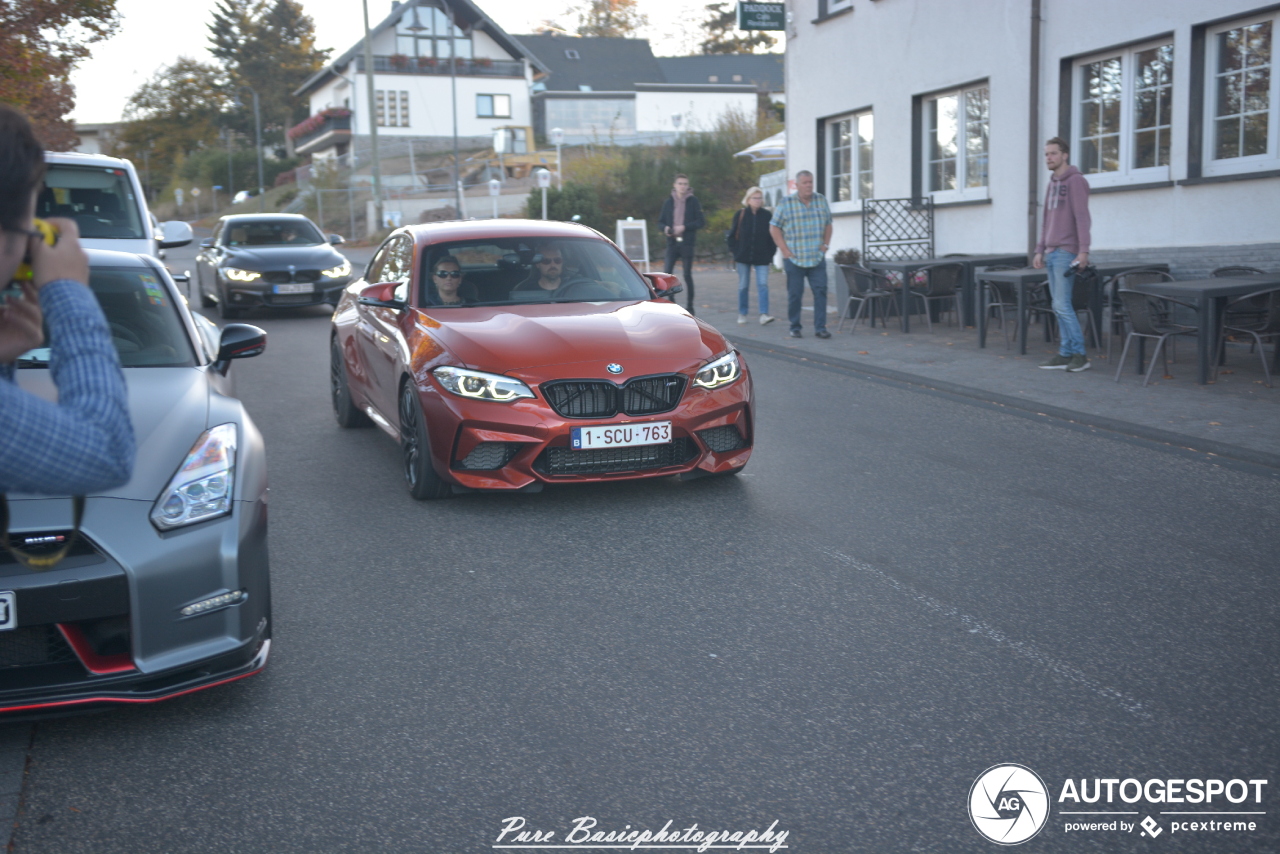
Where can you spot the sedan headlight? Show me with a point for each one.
(343, 269)
(721, 372)
(481, 386)
(204, 485)
(237, 275)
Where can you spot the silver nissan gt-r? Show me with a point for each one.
(166, 590)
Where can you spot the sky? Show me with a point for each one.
(154, 33)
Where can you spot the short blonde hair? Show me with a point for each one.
(746, 200)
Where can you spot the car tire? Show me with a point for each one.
(344, 408)
(415, 448)
(206, 301)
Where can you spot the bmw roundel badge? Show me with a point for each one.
(614, 368)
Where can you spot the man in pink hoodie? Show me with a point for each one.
(1063, 249)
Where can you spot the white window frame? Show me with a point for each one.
(391, 108)
(1128, 173)
(493, 104)
(834, 6)
(856, 164)
(1250, 163)
(961, 193)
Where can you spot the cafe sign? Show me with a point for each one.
(762, 16)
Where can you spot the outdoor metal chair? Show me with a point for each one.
(1082, 286)
(1233, 271)
(865, 287)
(1116, 320)
(1149, 317)
(1242, 312)
(1003, 296)
(938, 283)
(1263, 325)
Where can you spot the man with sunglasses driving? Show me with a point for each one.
(84, 442)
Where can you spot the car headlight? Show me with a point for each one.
(237, 275)
(343, 269)
(481, 386)
(203, 487)
(722, 371)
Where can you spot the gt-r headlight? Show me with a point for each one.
(721, 372)
(203, 487)
(235, 274)
(481, 386)
(343, 269)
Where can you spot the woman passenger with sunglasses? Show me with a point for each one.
(446, 275)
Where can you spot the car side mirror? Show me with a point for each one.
(382, 295)
(336, 240)
(206, 243)
(239, 341)
(664, 284)
(175, 233)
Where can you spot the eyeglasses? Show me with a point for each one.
(449, 274)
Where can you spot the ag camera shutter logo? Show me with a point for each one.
(1008, 804)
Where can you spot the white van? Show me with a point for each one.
(103, 195)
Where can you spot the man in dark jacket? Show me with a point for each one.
(680, 219)
(753, 249)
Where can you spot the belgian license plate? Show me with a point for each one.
(304, 288)
(8, 610)
(621, 435)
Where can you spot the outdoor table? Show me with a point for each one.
(1029, 276)
(1020, 278)
(967, 300)
(1210, 297)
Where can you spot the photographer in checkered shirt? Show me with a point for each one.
(84, 442)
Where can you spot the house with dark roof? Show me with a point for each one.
(616, 90)
(765, 71)
(423, 52)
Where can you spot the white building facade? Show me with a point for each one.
(1172, 111)
(424, 52)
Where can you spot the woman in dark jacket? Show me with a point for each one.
(753, 246)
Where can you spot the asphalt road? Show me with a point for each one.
(902, 590)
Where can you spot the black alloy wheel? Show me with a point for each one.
(415, 448)
(344, 408)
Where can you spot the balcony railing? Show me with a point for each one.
(400, 64)
(304, 142)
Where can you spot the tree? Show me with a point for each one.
(269, 48)
(174, 114)
(610, 18)
(723, 35)
(40, 42)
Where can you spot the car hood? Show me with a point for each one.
(317, 257)
(516, 340)
(169, 408)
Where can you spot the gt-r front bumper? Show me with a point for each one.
(106, 625)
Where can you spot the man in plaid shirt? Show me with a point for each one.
(84, 442)
(801, 227)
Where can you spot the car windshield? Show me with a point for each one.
(518, 271)
(100, 199)
(146, 326)
(276, 232)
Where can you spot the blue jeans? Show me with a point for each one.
(795, 292)
(1061, 281)
(744, 288)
